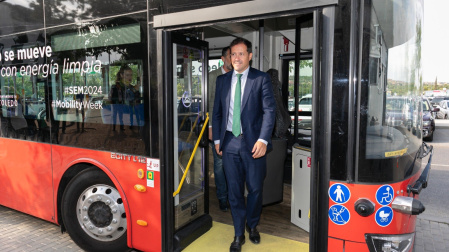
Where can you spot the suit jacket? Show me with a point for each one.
(258, 108)
(211, 88)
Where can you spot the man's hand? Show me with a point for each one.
(217, 149)
(259, 150)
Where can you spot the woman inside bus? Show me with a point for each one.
(117, 95)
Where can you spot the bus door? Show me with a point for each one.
(187, 81)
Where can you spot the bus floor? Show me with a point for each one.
(275, 219)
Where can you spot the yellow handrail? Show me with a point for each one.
(188, 140)
(191, 156)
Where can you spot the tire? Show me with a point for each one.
(93, 212)
(445, 116)
(430, 138)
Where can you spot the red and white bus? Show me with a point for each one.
(103, 111)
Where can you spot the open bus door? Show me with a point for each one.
(186, 186)
(238, 23)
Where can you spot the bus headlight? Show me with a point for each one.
(389, 243)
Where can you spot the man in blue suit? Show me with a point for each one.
(243, 119)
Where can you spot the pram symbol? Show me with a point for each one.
(384, 216)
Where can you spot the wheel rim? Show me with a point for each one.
(101, 213)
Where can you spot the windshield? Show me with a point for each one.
(391, 102)
(425, 106)
(305, 101)
(437, 100)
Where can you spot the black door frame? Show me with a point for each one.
(174, 240)
(323, 41)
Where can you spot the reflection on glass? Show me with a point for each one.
(22, 95)
(187, 66)
(304, 120)
(97, 92)
(394, 110)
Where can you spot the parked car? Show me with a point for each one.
(428, 128)
(394, 115)
(305, 103)
(444, 110)
(305, 110)
(436, 100)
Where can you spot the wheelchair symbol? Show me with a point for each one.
(385, 195)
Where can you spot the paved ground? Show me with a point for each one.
(432, 227)
(431, 236)
(21, 232)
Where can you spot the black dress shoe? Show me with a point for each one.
(236, 245)
(254, 235)
(223, 206)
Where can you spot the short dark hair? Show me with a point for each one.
(225, 50)
(236, 41)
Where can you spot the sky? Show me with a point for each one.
(435, 47)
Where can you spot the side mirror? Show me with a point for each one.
(436, 109)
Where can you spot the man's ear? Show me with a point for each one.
(250, 56)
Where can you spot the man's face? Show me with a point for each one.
(227, 61)
(240, 57)
(127, 76)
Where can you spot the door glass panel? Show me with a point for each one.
(304, 120)
(187, 65)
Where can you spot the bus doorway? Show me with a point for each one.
(273, 40)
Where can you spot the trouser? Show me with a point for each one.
(240, 168)
(219, 176)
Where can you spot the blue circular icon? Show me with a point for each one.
(384, 216)
(186, 99)
(385, 195)
(339, 193)
(339, 214)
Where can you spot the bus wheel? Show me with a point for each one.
(93, 212)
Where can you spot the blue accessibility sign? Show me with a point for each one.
(339, 214)
(385, 195)
(339, 193)
(384, 216)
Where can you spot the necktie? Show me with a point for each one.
(236, 113)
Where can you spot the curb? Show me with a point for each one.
(434, 219)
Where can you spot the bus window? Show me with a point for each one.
(391, 126)
(97, 94)
(22, 95)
